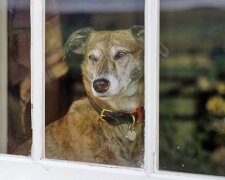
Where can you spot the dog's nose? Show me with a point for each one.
(101, 85)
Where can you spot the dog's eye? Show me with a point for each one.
(121, 54)
(92, 57)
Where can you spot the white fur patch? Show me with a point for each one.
(116, 49)
(96, 52)
(113, 87)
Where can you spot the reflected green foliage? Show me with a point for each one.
(181, 148)
(192, 91)
(188, 107)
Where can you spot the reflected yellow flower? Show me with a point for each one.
(203, 83)
(221, 87)
(216, 106)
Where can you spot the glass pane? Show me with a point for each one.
(101, 37)
(192, 87)
(18, 98)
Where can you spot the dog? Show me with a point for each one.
(107, 126)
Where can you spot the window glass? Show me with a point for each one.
(18, 97)
(192, 87)
(95, 113)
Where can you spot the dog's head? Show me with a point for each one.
(113, 60)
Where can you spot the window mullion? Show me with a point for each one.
(3, 76)
(151, 84)
(37, 77)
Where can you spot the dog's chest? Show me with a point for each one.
(117, 141)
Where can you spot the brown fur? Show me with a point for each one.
(80, 135)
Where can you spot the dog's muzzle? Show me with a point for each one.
(101, 85)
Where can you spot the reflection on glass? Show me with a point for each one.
(19, 117)
(192, 87)
(76, 130)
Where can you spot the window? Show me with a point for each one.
(36, 166)
(87, 79)
(19, 86)
(192, 108)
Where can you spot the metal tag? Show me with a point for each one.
(131, 135)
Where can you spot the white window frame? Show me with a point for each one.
(3, 77)
(37, 167)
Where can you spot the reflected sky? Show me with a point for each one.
(167, 5)
(68, 6)
(71, 6)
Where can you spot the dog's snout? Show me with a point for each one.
(101, 85)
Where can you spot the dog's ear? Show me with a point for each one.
(138, 32)
(77, 41)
